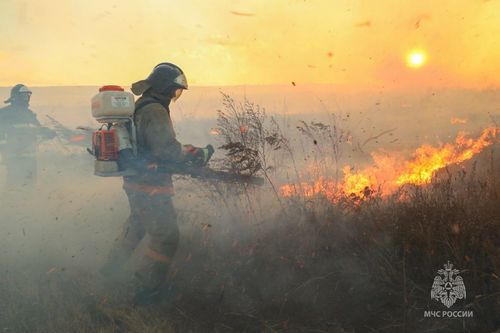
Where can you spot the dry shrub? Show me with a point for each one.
(249, 136)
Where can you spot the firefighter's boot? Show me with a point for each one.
(150, 283)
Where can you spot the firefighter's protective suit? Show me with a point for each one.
(150, 194)
(150, 191)
(20, 131)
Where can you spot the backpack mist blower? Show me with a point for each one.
(114, 144)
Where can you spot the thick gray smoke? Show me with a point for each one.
(57, 231)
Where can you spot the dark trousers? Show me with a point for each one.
(153, 214)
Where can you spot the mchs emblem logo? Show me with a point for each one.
(448, 286)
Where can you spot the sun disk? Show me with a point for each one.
(416, 59)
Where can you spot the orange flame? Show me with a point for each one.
(355, 183)
(458, 121)
(321, 186)
(214, 131)
(389, 172)
(428, 159)
(78, 138)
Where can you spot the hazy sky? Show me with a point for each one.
(224, 42)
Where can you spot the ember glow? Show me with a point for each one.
(389, 172)
(78, 138)
(458, 121)
(214, 131)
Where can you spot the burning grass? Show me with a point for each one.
(391, 171)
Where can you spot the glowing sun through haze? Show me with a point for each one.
(357, 45)
(416, 59)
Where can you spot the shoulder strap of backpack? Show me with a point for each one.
(144, 102)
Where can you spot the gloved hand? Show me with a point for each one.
(197, 155)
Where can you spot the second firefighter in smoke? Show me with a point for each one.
(20, 133)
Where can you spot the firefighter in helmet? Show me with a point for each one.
(20, 131)
(150, 191)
